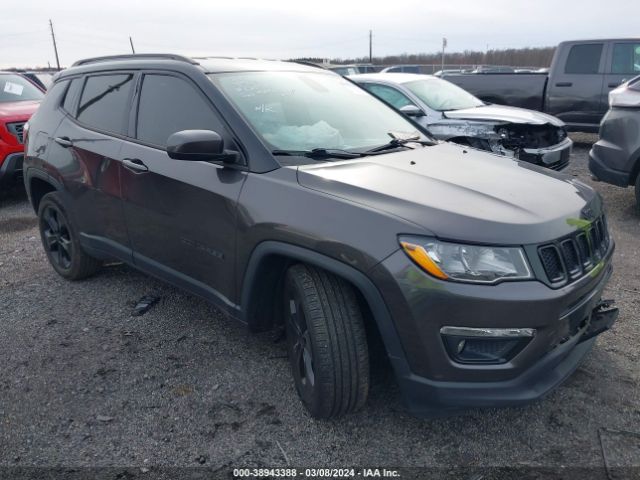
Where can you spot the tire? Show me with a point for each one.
(326, 342)
(638, 190)
(60, 241)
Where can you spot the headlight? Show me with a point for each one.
(467, 263)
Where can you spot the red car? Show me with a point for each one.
(19, 99)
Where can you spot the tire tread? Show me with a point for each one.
(341, 360)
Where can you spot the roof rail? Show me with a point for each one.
(307, 63)
(207, 57)
(141, 56)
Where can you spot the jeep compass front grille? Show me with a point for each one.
(17, 130)
(568, 258)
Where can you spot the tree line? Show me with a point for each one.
(517, 57)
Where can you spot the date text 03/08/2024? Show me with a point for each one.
(316, 472)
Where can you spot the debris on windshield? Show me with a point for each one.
(144, 304)
(406, 136)
(305, 136)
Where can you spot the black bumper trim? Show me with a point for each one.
(11, 168)
(428, 398)
(432, 398)
(606, 174)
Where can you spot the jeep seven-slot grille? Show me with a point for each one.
(17, 130)
(569, 258)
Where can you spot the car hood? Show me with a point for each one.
(16, 109)
(461, 194)
(503, 113)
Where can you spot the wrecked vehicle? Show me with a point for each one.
(295, 201)
(452, 114)
(615, 157)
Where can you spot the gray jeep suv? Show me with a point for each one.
(295, 200)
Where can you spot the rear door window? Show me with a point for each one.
(105, 100)
(626, 58)
(584, 59)
(170, 104)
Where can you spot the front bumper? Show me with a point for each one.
(613, 157)
(555, 157)
(11, 168)
(566, 321)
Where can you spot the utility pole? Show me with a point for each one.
(133, 50)
(444, 45)
(55, 47)
(370, 46)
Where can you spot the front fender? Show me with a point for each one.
(369, 291)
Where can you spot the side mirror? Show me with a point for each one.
(199, 145)
(412, 111)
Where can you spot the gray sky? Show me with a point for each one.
(284, 29)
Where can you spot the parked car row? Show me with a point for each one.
(575, 90)
(19, 98)
(294, 200)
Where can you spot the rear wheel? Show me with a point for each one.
(638, 190)
(60, 241)
(326, 342)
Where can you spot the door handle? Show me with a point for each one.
(135, 164)
(564, 84)
(64, 142)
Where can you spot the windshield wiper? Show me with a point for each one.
(397, 143)
(318, 153)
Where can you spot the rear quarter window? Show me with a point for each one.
(71, 97)
(105, 101)
(584, 59)
(54, 95)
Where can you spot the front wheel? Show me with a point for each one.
(326, 342)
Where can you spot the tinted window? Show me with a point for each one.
(16, 88)
(389, 95)
(105, 101)
(170, 104)
(584, 58)
(71, 97)
(626, 58)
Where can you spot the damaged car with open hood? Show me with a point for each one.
(453, 114)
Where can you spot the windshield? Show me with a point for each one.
(14, 88)
(441, 95)
(308, 110)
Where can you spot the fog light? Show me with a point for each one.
(485, 345)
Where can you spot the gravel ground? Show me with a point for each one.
(85, 384)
